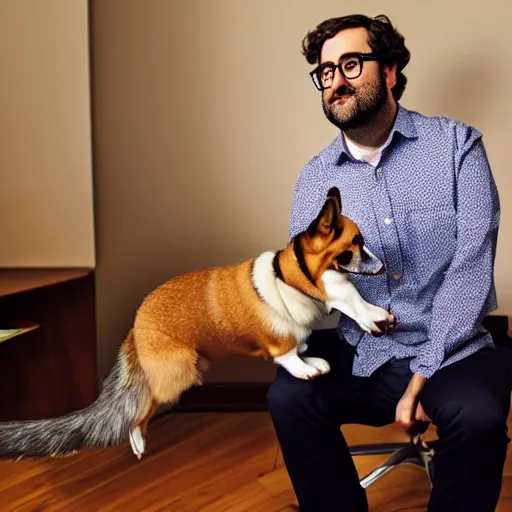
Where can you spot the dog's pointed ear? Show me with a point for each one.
(335, 194)
(327, 219)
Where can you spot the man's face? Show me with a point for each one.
(350, 104)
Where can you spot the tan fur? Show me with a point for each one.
(215, 313)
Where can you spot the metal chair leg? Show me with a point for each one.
(417, 453)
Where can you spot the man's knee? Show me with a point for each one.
(475, 425)
(287, 397)
(487, 426)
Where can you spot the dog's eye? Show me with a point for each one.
(345, 258)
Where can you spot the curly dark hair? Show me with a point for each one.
(385, 41)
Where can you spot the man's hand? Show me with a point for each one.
(406, 410)
(421, 415)
(409, 409)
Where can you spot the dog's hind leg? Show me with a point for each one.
(139, 430)
(170, 369)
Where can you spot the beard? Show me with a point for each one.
(363, 104)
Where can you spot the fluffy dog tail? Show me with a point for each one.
(123, 402)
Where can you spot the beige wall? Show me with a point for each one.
(46, 203)
(205, 113)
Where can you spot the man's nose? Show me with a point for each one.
(338, 80)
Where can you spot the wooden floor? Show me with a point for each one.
(199, 462)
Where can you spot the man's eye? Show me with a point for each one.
(327, 73)
(349, 65)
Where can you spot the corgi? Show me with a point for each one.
(263, 307)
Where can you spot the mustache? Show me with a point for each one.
(341, 91)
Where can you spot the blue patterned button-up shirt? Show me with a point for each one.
(430, 211)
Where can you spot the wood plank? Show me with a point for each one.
(201, 462)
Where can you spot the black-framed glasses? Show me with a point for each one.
(350, 66)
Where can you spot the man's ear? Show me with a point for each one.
(390, 76)
(327, 219)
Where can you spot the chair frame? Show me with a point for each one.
(416, 451)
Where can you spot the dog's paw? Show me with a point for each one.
(305, 372)
(320, 364)
(137, 442)
(388, 325)
(302, 348)
(306, 369)
(377, 321)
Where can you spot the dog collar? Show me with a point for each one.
(277, 268)
(299, 256)
(279, 273)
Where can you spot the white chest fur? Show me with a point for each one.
(290, 311)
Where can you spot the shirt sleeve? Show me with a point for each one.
(467, 293)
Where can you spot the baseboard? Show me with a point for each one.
(225, 397)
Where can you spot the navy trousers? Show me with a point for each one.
(467, 401)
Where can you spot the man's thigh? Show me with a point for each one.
(339, 396)
(475, 390)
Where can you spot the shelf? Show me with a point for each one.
(13, 332)
(49, 364)
(18, 280)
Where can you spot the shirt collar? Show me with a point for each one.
(404, 125)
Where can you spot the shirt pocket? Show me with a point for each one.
(431, 236)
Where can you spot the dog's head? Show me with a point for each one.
(332, 241)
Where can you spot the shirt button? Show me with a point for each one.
(396, 277)
(387, 221)
(379, 172)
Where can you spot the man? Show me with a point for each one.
(421, 190)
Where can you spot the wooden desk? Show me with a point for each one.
(50, 370)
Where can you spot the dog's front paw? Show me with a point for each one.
(302, 348)
(321, 364)
(305, 372)
(307, 369)
(377, 321)
(387, 325)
